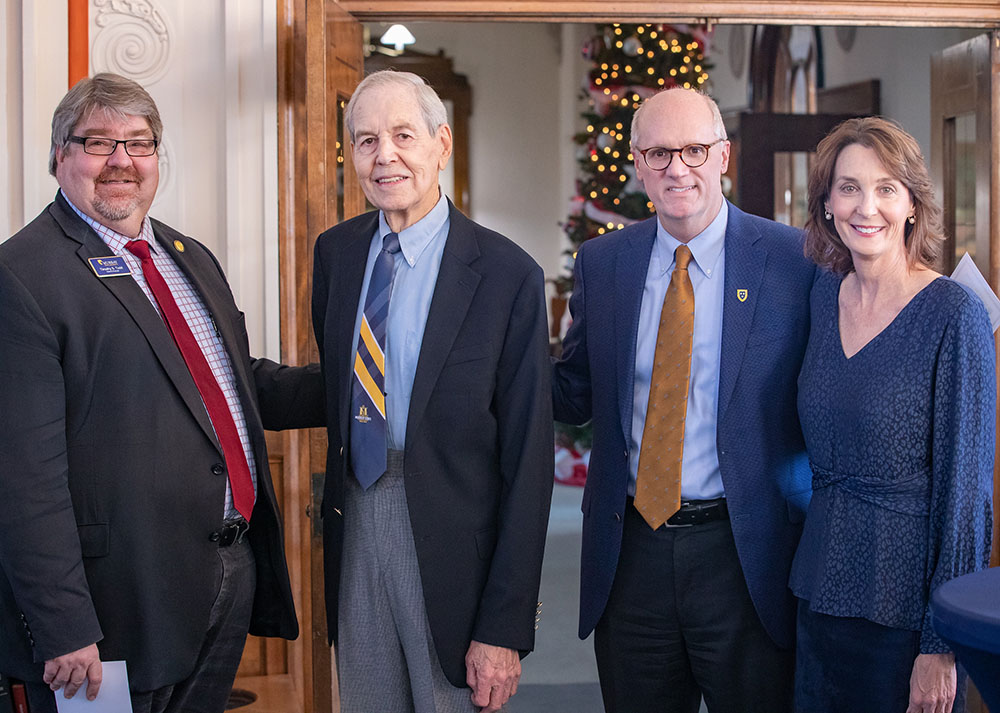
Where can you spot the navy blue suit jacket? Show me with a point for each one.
(761, 452)
(478, 458)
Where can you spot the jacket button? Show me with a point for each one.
(214, 537)
(618, 517)
(218, 469)
(341, 450)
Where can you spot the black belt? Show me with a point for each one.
(696, 512)
(231, 532)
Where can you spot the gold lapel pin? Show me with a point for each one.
(180, 248)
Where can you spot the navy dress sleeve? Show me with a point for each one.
(962, 455)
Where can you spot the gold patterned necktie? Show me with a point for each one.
(658, 480)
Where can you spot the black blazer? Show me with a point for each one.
(478, 458)
(108, 460)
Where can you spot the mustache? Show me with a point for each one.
(119, 174)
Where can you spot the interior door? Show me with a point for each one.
(965, 163)
(773, 162)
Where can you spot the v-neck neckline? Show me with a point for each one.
(837, 332)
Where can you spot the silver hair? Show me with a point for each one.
(109, 93)
(431, 107)
(718, 125)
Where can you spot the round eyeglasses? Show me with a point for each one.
(98, 146)
(693, 155)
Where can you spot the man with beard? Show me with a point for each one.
(138, 520)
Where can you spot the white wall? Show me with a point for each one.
(517, 149)
(211, 67)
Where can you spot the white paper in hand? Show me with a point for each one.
(112, 698)
(969, 275)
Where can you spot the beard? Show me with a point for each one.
(117, 204)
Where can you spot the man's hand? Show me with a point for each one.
(71, 669)
(932, 684)
(492, 672)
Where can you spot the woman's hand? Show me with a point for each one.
(932, 684)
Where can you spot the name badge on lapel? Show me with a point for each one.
(111, 266)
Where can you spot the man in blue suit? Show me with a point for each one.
(687, 591)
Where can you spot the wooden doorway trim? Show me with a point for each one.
(319, 63)
(939, 13)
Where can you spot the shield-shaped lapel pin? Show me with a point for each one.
(741, 295)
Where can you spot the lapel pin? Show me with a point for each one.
(741, 295)
(180, 247)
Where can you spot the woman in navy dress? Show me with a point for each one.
(897, 400)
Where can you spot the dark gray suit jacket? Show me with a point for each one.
(478, 458)
(108, 460)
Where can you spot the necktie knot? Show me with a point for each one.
(390, 243)
(139, 248)
(682, 255)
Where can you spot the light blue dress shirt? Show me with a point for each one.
(417, 266)
(700, 475)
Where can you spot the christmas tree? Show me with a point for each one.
(630, 63)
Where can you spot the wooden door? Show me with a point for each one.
(766, 143)
(320, 63)
(965, 163)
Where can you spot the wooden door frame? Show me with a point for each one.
(307, 202)
(942, 13)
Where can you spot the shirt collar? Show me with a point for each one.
(112, 238)
(706, 246)
(415, 239)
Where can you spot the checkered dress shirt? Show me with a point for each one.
(198, 319)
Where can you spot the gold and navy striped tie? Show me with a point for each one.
(368, 427)
(658, 480)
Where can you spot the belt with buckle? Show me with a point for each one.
(695, 512)
(698, 512)
(231, 532)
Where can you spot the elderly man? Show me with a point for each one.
(432, 338)
(138, 521)
(688, 333)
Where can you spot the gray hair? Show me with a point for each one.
(718, 125)
(109, 93)
(431, 107)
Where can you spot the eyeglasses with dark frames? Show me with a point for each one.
(693, 155)
(99, 146)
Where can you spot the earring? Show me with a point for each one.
(828, 215)
(912, 219)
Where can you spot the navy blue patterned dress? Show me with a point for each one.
(901, 442)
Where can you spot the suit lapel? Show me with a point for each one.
(135, 302)
(453, 293)
(631, 266)
(344, 296)
(745, 259)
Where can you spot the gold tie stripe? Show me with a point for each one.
(658, 480)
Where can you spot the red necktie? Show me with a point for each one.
(211, 393)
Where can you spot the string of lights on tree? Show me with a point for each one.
(630, 63)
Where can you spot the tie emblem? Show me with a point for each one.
(741, 295)
(363, 416)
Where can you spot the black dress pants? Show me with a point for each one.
(680, 625)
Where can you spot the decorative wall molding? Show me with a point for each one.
(133, 39)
